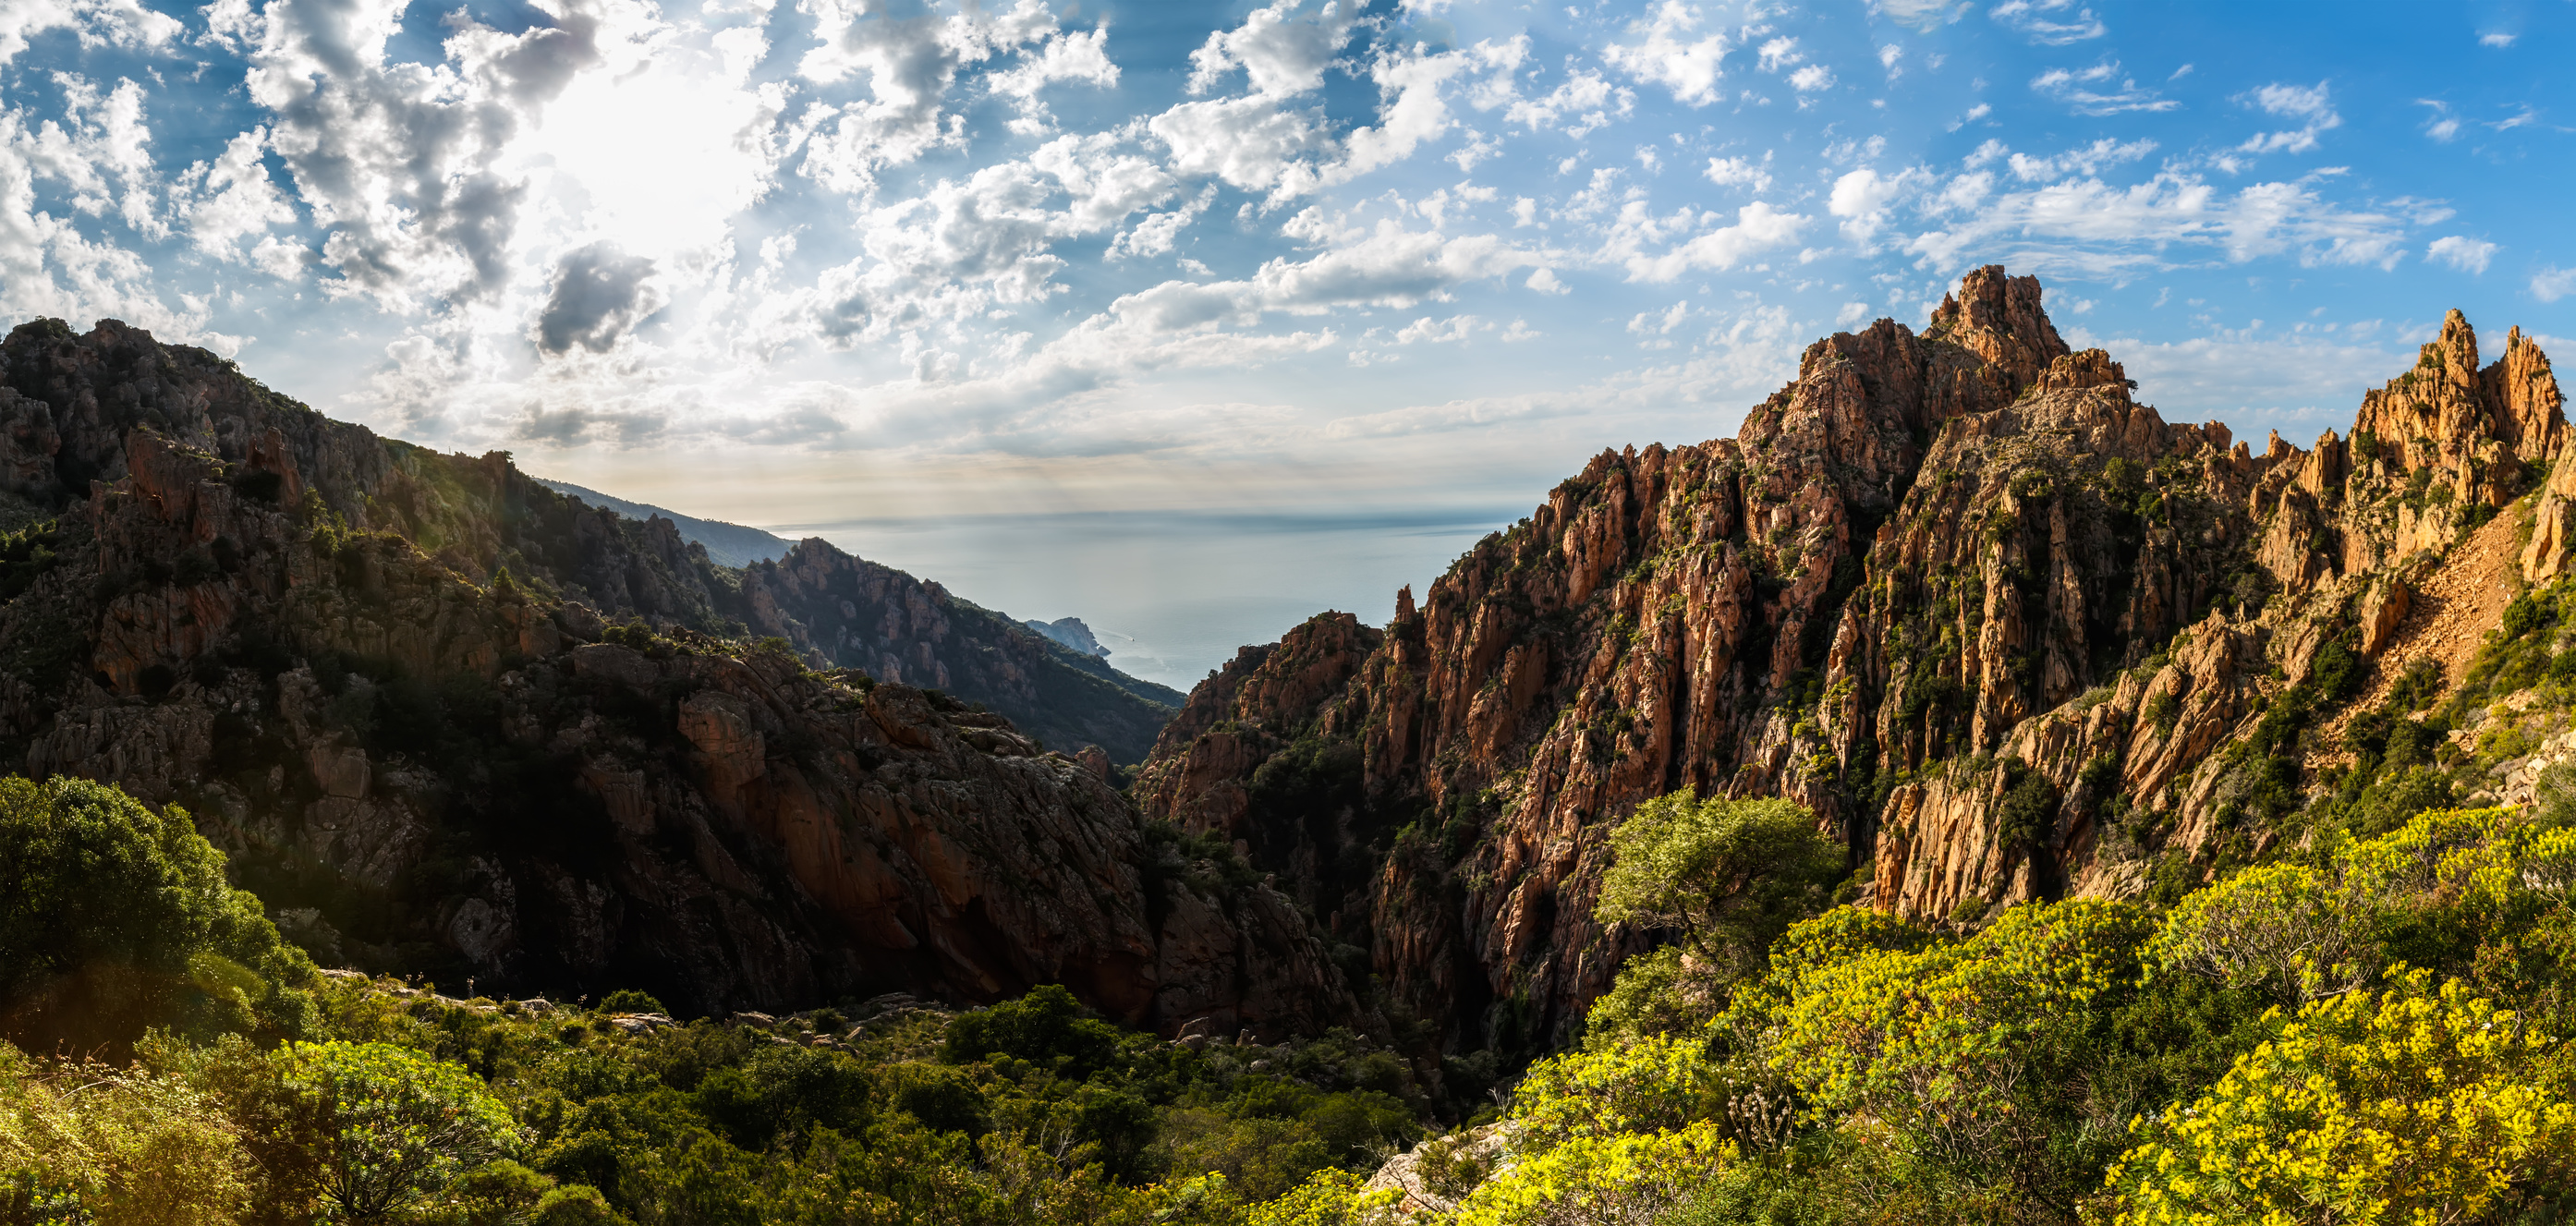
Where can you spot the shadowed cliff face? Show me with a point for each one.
(306, 635)
(1956, 591)
(69, 402)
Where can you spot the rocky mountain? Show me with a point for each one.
(726, 544)
(1071, 632)
(445, 719)
(2004, 629)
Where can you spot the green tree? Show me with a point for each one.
(115, 917)
(1730, 875)
(392, 1125)
(1045, 1027)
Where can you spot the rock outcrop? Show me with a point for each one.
(72, 401)
(2004, 629)
(383, 681)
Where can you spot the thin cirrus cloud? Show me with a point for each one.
(1036, 229)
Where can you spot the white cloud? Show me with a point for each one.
(1281, 54)
(2522, 118)
(2087, 161)
(1731, 172)
(2048, 23)
(1660, 323)
(1581, 103)
(1811, 78)
(2498, 39)
(2089, 228)
(1666, 53)
(1382, 266)
(2307, 104)
(1249, 143)
(1429, 331)
(2098, 90)
(1861, 198)
(234, 198)
(1890, 59)
(2301, 382)
(124, 24)
(1758, 228)
(1852, 315)
(1545, 281)
(2553, 283)
(2465, 254)
(910, 63)
(2443, 126)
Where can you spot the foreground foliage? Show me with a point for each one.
(2366, 1031)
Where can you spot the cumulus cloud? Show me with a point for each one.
(1580, 104)
(1862, 197)
(1732, 172)
(2463, 253)
(1281, 53)
(1667, 48)
(123, 24)
(1758, 227)
(2553, 283)
(233, 200)
(600, 294)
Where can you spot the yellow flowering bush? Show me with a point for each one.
(2408, 1105)
(1655, 1083)
(1623, 1179)
(1809, 948)
(2443, 856)
(1935, 1041)
(2549, 864)
(2283, 926)
(1329, 1197)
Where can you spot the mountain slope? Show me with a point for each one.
(381, 679)
(74, 400)
(726, 544)
(2006, 631)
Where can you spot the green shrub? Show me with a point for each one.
(116, 917)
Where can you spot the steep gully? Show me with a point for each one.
(1994, 621)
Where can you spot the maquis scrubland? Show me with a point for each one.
(1961, 797)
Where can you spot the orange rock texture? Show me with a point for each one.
(1957, 591)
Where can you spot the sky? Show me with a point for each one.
(1193, 319)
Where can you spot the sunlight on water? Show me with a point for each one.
(1173, 597)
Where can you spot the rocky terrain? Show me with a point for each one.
(2007, 631)
(446, 720)
(69, 403)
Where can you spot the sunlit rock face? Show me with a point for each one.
(1955, 590)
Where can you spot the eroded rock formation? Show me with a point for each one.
(2003, 628)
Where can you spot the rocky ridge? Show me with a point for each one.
(68, 403)
(382, 680)
(2007, 631)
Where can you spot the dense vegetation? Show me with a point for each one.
(2361, 1025)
